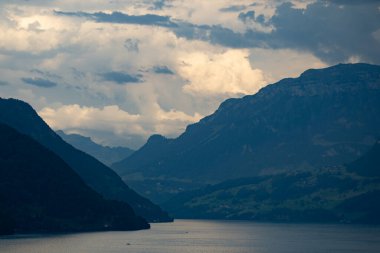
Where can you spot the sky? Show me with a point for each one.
(119, 71)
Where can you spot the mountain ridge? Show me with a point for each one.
(21, 116)
(105, 154)
(314, 120)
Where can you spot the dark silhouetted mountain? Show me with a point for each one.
(105, 154)
(99, 177)
(39, 192)
(325, 117)
(332, 194)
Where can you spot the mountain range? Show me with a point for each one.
(22, 117)
(303, 149)
(39, 192)
(105, 154)
(323, 118)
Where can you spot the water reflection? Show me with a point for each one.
(185, 236)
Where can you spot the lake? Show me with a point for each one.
(199, 236)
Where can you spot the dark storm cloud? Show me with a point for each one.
(162, 70)
(3, 83)
(39, 82)
(121, 77)
(122, 18)
(331, 32)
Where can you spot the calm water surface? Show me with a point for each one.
(197, 236)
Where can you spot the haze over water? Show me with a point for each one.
(184, 236)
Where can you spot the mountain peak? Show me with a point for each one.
(156, 138)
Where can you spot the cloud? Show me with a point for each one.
(39, 82)
(112, 118)
(159, 5)
(46, 74)
(251, 16)
(26, 2)
(319, 28)
(121, 77)
(273, 62)
(122, 18)
(208, 13)
(3, 83)
(217, 74)
(347, 2)
(162, 70)
(33, 32)
(76, 116)
(233, 8)
(132, 45)
(331, 32)
(215, 34)
(192, 54)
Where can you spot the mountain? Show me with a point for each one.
(369, 164)
(99, 177)
(105, 154)
(39, 192)
(331, 194)
(325, 117)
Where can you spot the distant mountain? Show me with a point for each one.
(105, 154)
(39, 192)
(99, 177)
(332, 194)
(325, 117)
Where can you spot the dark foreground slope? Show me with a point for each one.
(325, 117)
(105, 154)
(335, 194)
(39, 192)
(99, 177)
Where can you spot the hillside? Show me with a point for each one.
(325, 117)
(369, 164)
(105, 154)
(99, 177)
(334, 194)
(39, 192)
